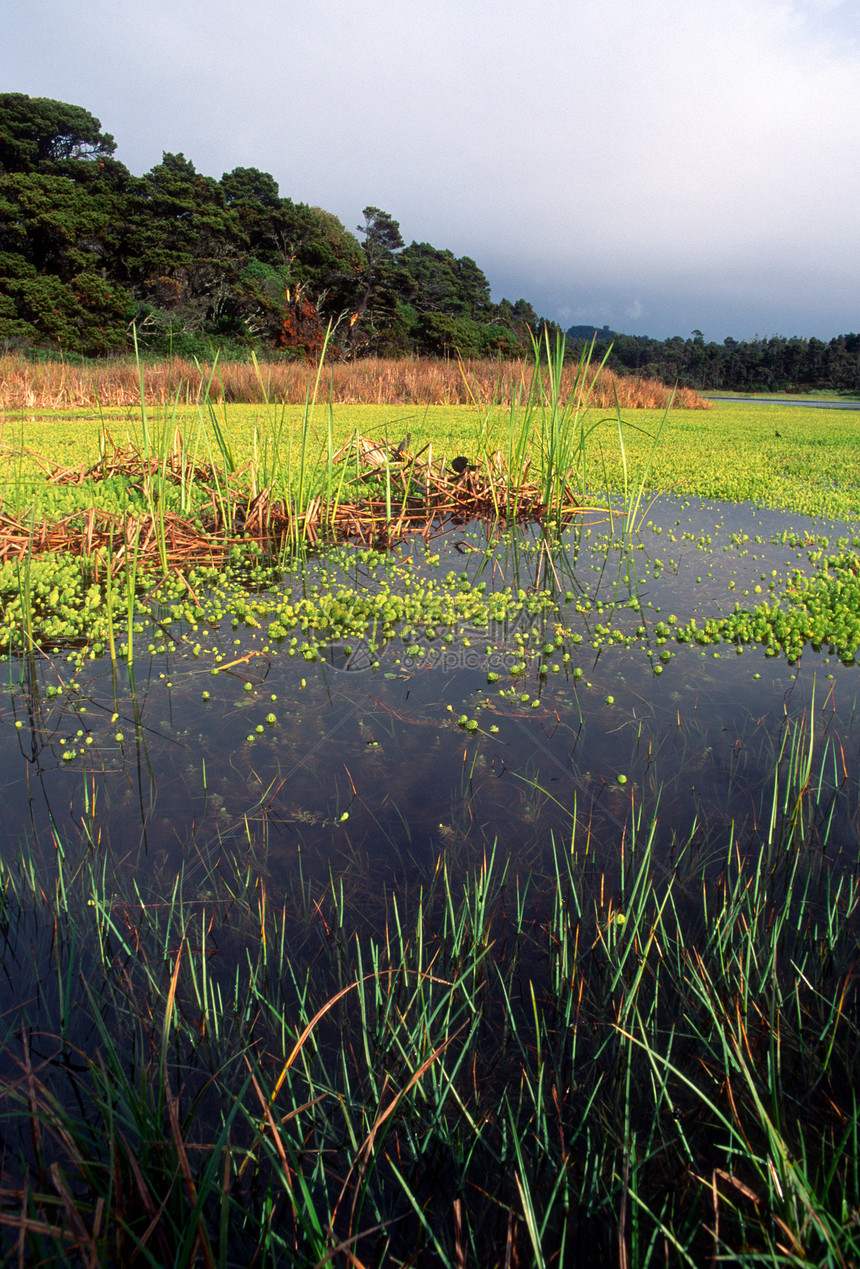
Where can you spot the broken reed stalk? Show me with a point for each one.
(394, 493)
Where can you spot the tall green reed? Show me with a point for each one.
(635, 487)
(549, 432)
(577, 1060)
(564, 427)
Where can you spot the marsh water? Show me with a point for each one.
(806, 402)
(377, 761)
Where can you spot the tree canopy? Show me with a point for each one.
(39, 135)
(88, 250)
(775, 364)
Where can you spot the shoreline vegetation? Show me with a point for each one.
(27, 385)
(198, 481)
(795, 367)
(248, 1018)
(181, 507)
(93, 258)
(596, 1046)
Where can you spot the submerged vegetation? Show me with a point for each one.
(651, 1063)
(400, 872)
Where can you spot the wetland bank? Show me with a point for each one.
(484, 894)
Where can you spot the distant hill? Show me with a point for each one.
(603, 333)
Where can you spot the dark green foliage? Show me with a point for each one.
(184, 245)
(86, 313)
(376, 319)
(250, 185)
(40, 135)
(381, 234)
(62, 205)
(757, 365)
(440, 335)
(58, 246)
(86, 249)
(56, 224)
(602, 335)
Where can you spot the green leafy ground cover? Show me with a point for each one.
(789, 459)
(730, 453)
(618, 1025)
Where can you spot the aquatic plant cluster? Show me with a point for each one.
(350, 1086)
(55, 603)
(820, 611)
(484, 893)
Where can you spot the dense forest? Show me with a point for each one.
(88, 251)
(757, 365)
(90, 254)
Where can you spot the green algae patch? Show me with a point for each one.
(787, 458)
(71, 438)
(819, 612)
(55, 602)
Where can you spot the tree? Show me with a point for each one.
(473, 289)
(377, 309)
(381, 234)
(41, 135)
(85, 314)
(184, 247)
(250, 185)
(302, 268)
(436, 281)
(85, 247)
(427, 278)
(62, 205)
(328, 260)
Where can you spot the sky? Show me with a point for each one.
(656, 167)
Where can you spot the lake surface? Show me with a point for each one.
(373, 764)
(808, 402)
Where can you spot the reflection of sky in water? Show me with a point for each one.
(368, 769)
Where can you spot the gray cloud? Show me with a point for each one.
(655, 167)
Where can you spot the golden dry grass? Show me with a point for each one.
(374, 381)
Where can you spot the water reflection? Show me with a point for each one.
(379, 760)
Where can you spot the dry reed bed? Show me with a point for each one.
(373, 381)
(110, 542)
(422, 496)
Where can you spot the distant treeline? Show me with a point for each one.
(756, 365)
(90, 254)
(88, 251)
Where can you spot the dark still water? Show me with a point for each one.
(376, 762)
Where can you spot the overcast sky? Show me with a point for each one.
(653, 165)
